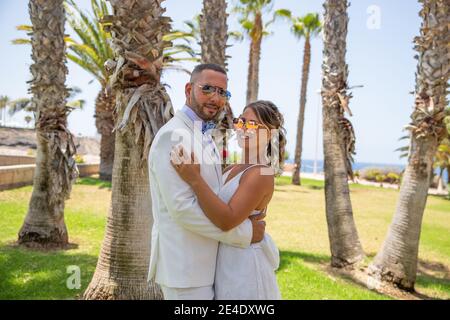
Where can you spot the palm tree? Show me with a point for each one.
(442, 156)
(27, 105)
(28, 119)
(396, 262)
(251, 19)
(195, 33)
(338, 138)
(143, 106)
(213, 30)
(307, 26)
(214, 36)
(91, 53)
(55, 167)
(4, 101)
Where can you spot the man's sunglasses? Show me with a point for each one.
(240, 123)
(209, 89)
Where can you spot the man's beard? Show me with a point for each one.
(198, 108)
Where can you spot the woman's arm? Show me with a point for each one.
(252, 189)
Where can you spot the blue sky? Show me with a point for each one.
(379, 54)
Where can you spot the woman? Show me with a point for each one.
(242, 274)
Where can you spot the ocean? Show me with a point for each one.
(308, 166)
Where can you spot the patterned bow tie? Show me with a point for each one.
(207, 125)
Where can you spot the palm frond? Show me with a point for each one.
(91, 29)
(236, 35)
(88, 66)
(193, 59)
(404, 138)
(180, 48)
(28, 29)
(306, 26)
(283, 13)
(87, 53)
(76, 104)
(180, 35)
(24, 27)
(247, 25)
(21, 41)
(19, 105)
(174, 67)
(4, 101)
(73, 92)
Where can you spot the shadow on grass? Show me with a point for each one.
(431, 269)
(35, 274)
(432, 276)
(92, 181)
(313, 187)
(431, 282)
(288, 257)
(313, 272)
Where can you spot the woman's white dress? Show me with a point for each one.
(246, 274)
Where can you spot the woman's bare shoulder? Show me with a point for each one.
(259, 175)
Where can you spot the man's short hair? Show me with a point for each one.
(206, 66)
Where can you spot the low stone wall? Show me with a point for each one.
(16, 176)
(7, 160)
(22, 175)
(88, 169)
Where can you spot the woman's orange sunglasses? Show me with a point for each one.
(240, 123)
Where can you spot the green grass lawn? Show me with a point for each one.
(296, 221)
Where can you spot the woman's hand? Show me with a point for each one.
(185, 165)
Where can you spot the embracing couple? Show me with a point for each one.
(208, 237)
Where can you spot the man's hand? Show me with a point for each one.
(259, 216)
(259, 227)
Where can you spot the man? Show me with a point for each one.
(184, 242)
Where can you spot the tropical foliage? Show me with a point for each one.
(251, 15)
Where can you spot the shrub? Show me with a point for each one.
(389, 175)
(79, 158)
(392, 177)
(371, 174)
(380, 178)
(31, 153)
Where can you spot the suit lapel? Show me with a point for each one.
(198, 137)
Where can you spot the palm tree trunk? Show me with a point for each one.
(301, 116)
(55, 167)
(143, 107)
(254, 57)
(396, 263)
(107, 143)
(345, 246)
(104, 121)
(122, 266)
(213, 32)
